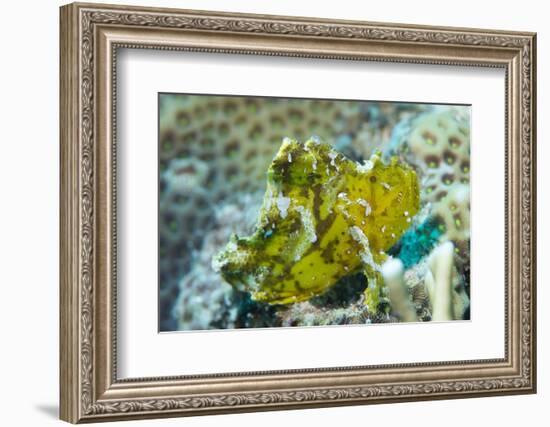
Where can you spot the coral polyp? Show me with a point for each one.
(324, 217)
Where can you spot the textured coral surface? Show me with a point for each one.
(437, 145)
(214, 152)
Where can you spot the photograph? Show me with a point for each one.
(291, 212)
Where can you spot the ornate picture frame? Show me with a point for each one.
(91, 34)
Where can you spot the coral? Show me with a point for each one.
(437, 145)
(430, 290)
(204, 299)
(324, 217)
(247, 131)
(449, 301)
(181, 229)
(184, 194)
(438, 273)
(401, 304)
(452, 213)
(341, 304)
(417, 242)
(308, 314)
(374, 132)
(240, 135)
(439, 282)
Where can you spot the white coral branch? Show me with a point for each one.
(392, 271)
(439, 281)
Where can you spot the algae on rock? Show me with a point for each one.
(324, 217)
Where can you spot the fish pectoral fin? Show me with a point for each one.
(376, 295)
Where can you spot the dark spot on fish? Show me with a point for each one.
(328, 253)
(298, 286)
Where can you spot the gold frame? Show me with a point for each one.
(90, 36)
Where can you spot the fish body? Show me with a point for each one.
(323, 217)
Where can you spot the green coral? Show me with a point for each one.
(418, 242)
(324, 217)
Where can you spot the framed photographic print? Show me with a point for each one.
(344, 211)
